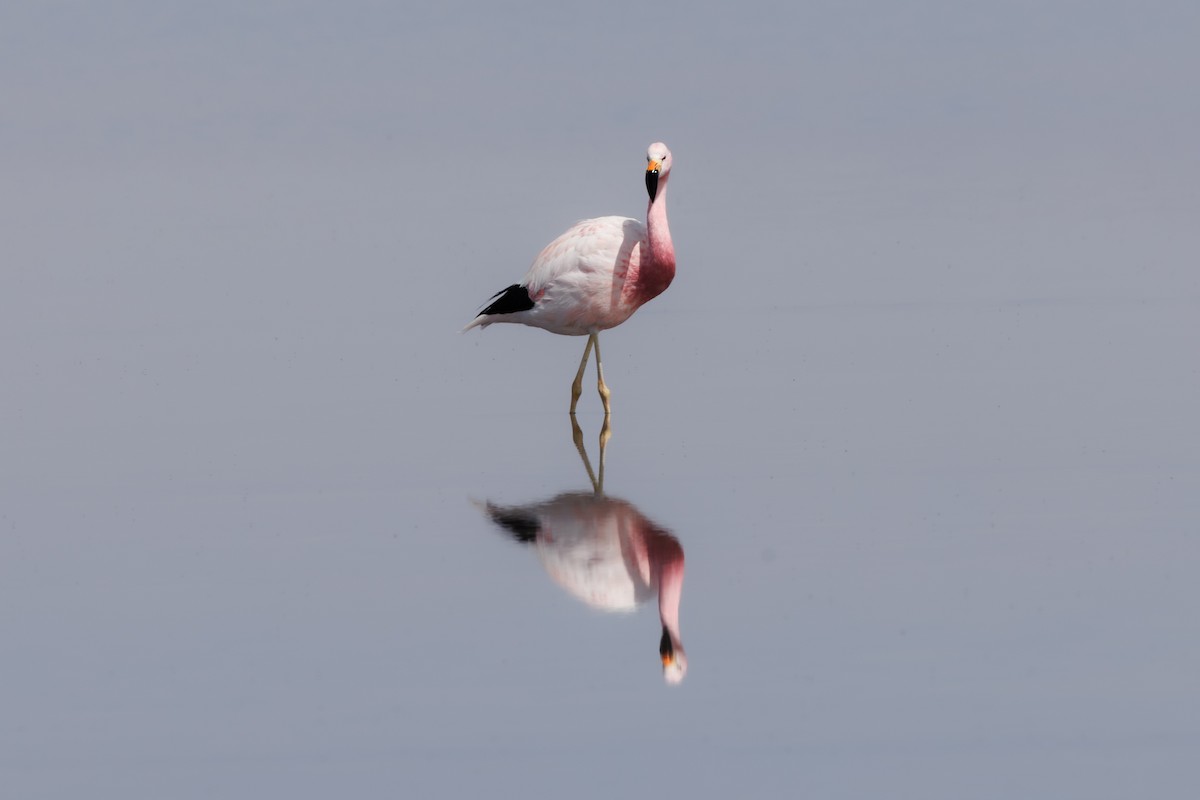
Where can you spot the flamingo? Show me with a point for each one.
(595, 275)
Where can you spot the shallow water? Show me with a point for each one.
(919, 411)
(896, 574)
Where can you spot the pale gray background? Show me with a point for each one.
(920, 405)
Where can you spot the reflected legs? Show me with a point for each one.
(577, 437)
(605, 435)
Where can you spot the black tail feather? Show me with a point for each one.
(509, 301)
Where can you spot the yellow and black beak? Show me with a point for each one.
(652, 179)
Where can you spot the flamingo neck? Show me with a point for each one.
(658, 271)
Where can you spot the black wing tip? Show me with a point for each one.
(509, 301)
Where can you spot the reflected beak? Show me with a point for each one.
(652, 179)
(666, 649)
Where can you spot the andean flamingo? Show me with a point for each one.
(594, 276)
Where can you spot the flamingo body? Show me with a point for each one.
(587, 280)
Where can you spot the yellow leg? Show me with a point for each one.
(604, 392)
(577, 386)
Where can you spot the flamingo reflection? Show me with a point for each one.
(605, 552)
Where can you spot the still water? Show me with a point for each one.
(947, 547)
(903, 482)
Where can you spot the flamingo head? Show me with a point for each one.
(674, 660)
(658, 164)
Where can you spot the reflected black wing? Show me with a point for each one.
(519, 524)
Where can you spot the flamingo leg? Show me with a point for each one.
(577, 386)
(604, 392)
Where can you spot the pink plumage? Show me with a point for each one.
(595, 275)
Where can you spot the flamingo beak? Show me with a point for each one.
(652, 179)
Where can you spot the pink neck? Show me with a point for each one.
(656, 274)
